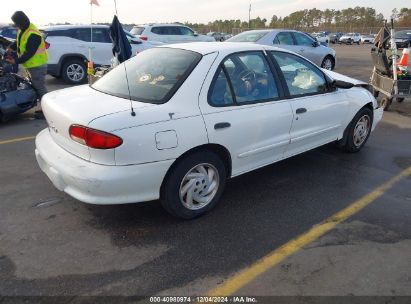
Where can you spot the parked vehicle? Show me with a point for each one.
(216, 35)
(17, 94)
(168, 33)
(403, 39)
(335, 37)
(367, 39)
(68, 48)
(322, 38)
(9, 32)
(295, 41)
(350, 38)
(197, 114)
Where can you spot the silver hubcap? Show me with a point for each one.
(361, 130)
(75, 72)
(199, 186)
(328, 65)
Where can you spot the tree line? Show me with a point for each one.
(312, 19)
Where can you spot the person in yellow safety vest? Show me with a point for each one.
(31, 54)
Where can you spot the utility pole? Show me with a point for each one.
(249, 17)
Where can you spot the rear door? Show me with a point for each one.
(187, 35)
(244, 111)
(102, 46)
(319, 111)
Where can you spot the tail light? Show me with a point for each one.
(145, 38)
(47, 45)
(94, 138)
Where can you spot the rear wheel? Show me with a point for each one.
(358, 131)
(194, 186)
(74, 71)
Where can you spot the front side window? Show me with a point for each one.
(302, 77)
(152, 76)
(247, 78)
(186, 31)
(303, 40)
(284, 38)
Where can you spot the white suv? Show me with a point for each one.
(68, 47)
(168, 33)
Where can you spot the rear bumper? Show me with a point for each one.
(98, 184)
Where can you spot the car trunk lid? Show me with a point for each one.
(80, 105)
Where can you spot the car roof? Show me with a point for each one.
(70, 26)
(226, 47)
(160, 24)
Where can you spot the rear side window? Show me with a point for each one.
(243, 78)
(153, 75)
(83, 34)
(101, 35)
(284, 38)
(137, 30)
(302, 77)
(62, 33)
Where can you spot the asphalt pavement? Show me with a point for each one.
(54, 245)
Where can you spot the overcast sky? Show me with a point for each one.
(42, 12)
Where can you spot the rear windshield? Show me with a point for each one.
(137, 30)
(153, 75)
(248, 36)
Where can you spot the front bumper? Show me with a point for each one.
(98, 184)
(377, 117)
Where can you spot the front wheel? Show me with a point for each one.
(194, 186)
(328, 63)
(358, 131)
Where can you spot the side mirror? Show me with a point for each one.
(316, 43)
(195, 34)
(341, 84)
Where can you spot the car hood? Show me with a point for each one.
(338, 76)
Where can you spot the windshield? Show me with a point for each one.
(137, 30)
(403, 34)
(248, 36)
(153, 75)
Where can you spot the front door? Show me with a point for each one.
(319, 111)
(244, 111)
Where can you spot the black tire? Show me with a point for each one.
(71, 65)
(328, 57)
(386, 103)
(348, 143)
(358, 42)
(170, 190)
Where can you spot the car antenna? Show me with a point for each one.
(125, 70)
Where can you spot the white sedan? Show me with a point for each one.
(174, 122)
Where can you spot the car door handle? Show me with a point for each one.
(301, 110)
(222, 125)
